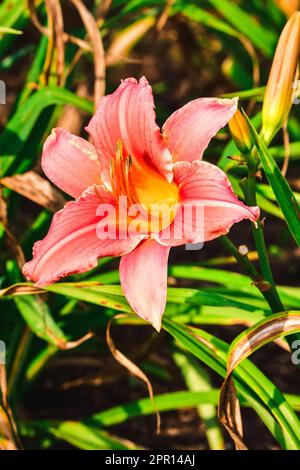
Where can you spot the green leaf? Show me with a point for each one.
(106, 296)
(249, 341)
(279, 152)
(37, 316)
(12, 59)
(164, 402)
(34, 71)
(38, 362)
(11, 10)
(198, 380)
(263, 396)
(264, 39)
(200, 15)
(21, 124)
(253, 93)
(267, 191)
(141, 407)
(88, 438)
(113, 297)
(237, 284)
(284, 195)
(207, 315)
(6, 30)
(144, 406)
(13, 14)
(263, 332)
(263, 202)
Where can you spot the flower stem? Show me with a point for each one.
(18, 362)
(265, 287)
(265, 282)
(249, 188)
(243, 260)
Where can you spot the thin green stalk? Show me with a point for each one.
(18, 362)
(265, 282)
(243, 260)
(249, 188)
(263, 285)
(38, 362)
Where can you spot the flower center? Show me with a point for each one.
(145, 187)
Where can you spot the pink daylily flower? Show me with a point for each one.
(131, 157)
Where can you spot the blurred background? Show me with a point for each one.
(55, 65)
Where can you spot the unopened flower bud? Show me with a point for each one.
(240, 132)
(279, 92)
(288, 6)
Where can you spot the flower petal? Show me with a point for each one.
(128, 115)
(204, 186)
(73, 244)
(189, 130)
(143, 274)
(70, 162)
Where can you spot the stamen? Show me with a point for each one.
(112, 175)
(132, 189)
(121, 175)
(97, 192)
(127, 169)
(143, 187)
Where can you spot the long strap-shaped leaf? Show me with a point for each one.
(263, 38)
(246, 343)
(113, 297)
(284, 195)
(21, 124)
(251, 383)
(264, 331)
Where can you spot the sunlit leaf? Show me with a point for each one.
(284, 195)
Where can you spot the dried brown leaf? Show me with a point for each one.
(165, 15)
(44, 30)
(71, 117)
(20, 289)
(124, 41)
(268, 329)
(130, 366)
(66, 345)
(99, 56)
(230, 414)
(6, 434)
(102, 9)
(37, 189)
(58, 26)
(9, 439)
(13, 244)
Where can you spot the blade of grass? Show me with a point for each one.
(198, 380)
(21, 124)
(284, 195)
(251, 383)
(263, 39)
